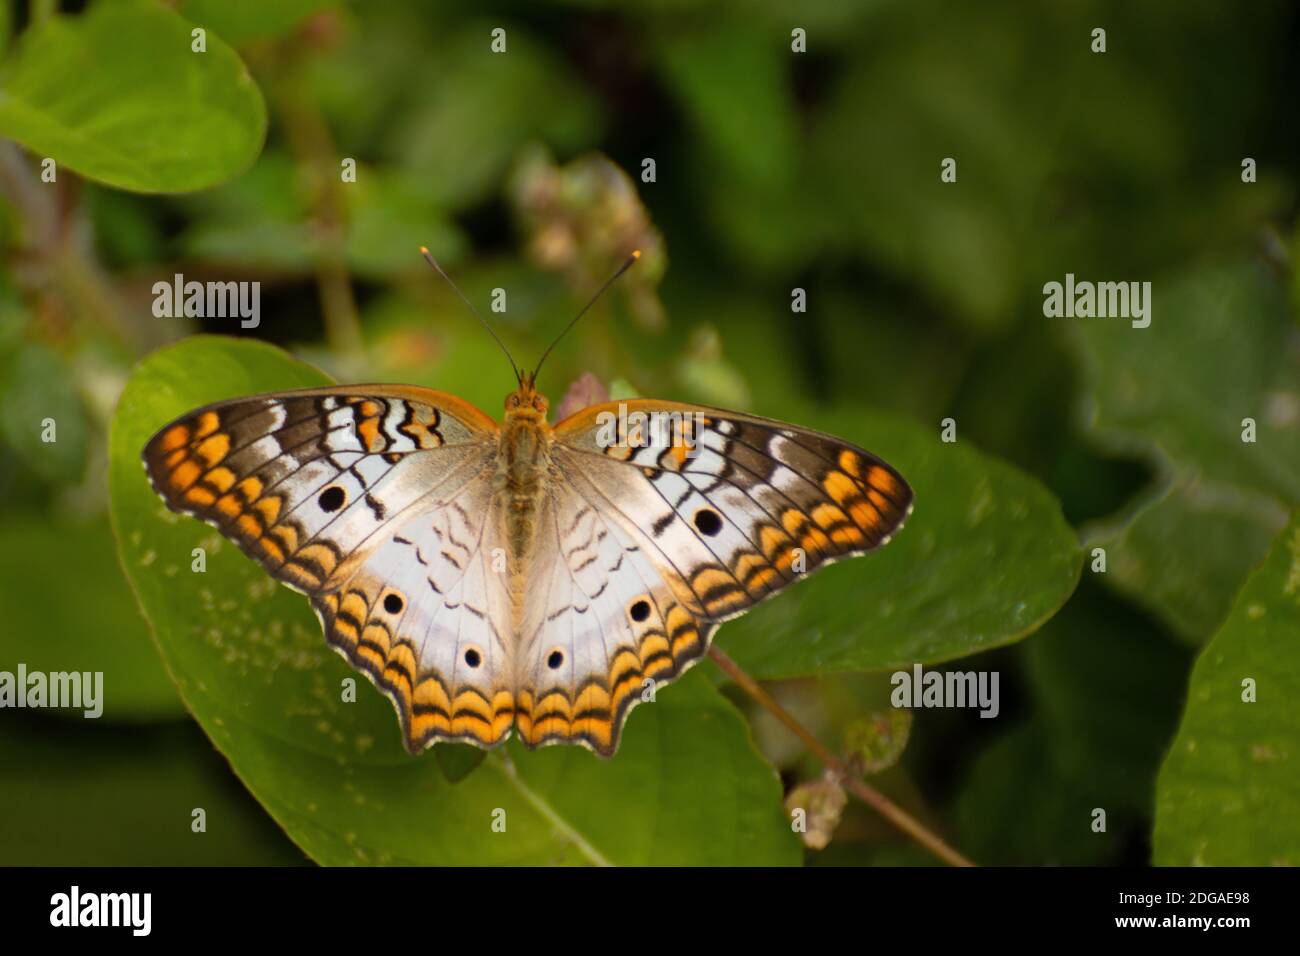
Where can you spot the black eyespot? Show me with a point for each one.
(708, 522)
(393, 604)
(640, 611)
(555, 660)
(472, 657)
(331, 499)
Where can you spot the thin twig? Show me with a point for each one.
(868, 795)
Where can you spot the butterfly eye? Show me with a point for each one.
(640, 610)
(472, 657)
(555, 659)
(708, 522)
(393, 604)
(331, 499)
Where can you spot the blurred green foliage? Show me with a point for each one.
(1241, 725)
(774, 170)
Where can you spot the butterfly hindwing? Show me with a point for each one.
(427, 617)
(601, 626)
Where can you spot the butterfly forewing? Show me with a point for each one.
(743, 505)
(304, 480)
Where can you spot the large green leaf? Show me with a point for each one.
(1220, 349)
(984, 560)
(687, 785)
(1229, 792)
(117, 95)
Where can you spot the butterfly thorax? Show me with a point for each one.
(523, 464)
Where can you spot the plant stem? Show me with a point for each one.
(868, 795)
(313, 150)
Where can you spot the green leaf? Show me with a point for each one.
(1217, 351)
(687, 785)
(117, 95)
(748, 127)
(984, 560)
(1220, 349)
(1229, 792)
(744, 139)
(1186, 548)
(101, 630)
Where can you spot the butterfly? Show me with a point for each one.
(521, 576)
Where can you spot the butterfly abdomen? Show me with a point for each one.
(523, 465)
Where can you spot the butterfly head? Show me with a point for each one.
(526, 401)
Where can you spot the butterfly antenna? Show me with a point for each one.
(428, 257)
(631, 260)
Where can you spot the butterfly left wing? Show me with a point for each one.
(303, 481)
(682, 517)
(373, 500)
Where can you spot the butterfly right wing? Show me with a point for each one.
(644, 579)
